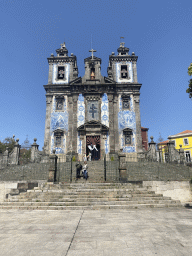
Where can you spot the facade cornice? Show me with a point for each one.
(122, 58)
(180, 135)
(61, 59)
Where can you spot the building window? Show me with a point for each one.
(187, 156)
(174, 143)
(126, 102)
(124, 72)
(92, 74)
(61, 72)
(58, 139)
(59, 104)
(185, 141)
(127, 133)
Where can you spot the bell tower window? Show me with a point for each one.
(124, 72)
(126, 102)
(92, 73)
(58, 135)
(61, 72)
(59, 104)
(127, 137)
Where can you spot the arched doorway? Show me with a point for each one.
(93, 146)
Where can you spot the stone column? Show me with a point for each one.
(139, 147)
(16, 152)
(5, 157)
(111, 124)
(53, 167)
(34, 151)
(152, 150)
(74, 130)
(122, 166)
(182, 155)
(47, 123)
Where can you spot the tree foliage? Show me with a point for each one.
(189, 90)
(7, 142)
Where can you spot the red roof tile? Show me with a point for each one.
(186, 131)
(163, 142)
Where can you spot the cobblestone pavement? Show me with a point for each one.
(102, 233)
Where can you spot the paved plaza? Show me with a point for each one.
(95, 232)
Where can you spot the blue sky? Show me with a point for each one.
(159, 32)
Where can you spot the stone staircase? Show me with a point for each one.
(86, 195)
(95, 172)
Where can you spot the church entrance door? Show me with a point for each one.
(93, 147)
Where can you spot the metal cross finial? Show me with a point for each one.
(92, 52)
(63, 45)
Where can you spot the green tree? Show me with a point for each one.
(7, 142)
(189, 90)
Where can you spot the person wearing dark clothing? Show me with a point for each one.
(78, 169)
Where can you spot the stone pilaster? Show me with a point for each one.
(47, 124)
(139, 147)
(34, 151)
(116, 132)
(74, 130)
(134, 71)
(70, 124)
(111, 124)
(50, 73)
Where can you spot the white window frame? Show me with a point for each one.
(174, 143)
(184, 142)
(188, 152)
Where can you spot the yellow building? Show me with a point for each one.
(185, 139)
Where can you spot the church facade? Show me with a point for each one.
(92, 113)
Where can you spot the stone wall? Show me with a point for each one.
(177, 190)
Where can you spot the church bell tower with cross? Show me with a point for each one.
(92, 114)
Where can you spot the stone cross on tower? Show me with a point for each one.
(63, 45)
(92, 52)
(122, 44)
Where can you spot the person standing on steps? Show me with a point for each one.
(89, 156)
(85, 158)
(78, 169)
(84, 171)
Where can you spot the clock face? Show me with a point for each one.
(125, 104)
(128, 140)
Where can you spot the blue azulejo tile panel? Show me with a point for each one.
(127, 149)
(64, 104)
(107, 144)
(80, 110)
(129, 78)
(79, 145)
(58, 150)
(104, 110)
(55, 74)
(59, 120)
(126, 119)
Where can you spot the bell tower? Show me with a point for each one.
(123, 70)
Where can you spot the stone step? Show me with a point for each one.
(85, 203)
(92, 207)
